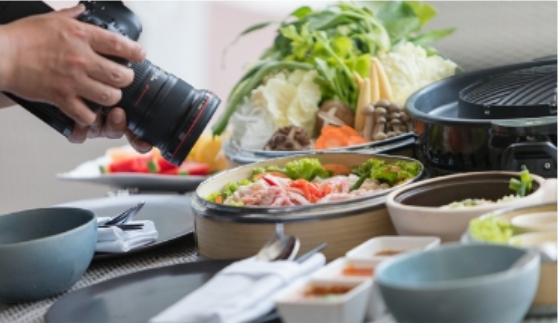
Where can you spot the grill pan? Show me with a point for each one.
(526, 93)
(501, 118)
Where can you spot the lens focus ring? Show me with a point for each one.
(140, 72)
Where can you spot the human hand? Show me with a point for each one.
(56, 59)
(111, 126)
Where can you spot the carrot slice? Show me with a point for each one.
(335, 142)
(356, 140)
(348, 131)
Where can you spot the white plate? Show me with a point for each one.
(90, 172)
(171, 214)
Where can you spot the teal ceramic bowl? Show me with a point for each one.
(459, 284)
(44, 252)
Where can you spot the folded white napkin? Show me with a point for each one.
(114, 239)
(241, 292)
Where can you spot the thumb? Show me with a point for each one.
(72, 12)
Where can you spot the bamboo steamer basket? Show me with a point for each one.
(546, 297)
(227, 232)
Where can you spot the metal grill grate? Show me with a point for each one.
(524, 93)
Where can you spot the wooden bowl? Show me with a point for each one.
(228, 232)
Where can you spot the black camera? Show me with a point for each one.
(160, 108)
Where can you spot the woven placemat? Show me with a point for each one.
(181, 251)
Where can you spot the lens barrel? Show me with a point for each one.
(165, 111)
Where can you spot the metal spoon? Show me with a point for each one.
(279, 246)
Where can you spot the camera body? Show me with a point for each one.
(112, 16)
(160, 108)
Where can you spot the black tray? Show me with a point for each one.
(171, 214)
(137, 297)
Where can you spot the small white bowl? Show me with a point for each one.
(349, 307)
(365, 270)
(380, 248)
(535, 222)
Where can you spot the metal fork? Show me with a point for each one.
(125, 216)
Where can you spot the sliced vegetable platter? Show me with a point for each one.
(335, 77)
(123, 167)
(90, 172)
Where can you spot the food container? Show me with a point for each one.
(378, 249)
(355, 270)
(459, 283)
(415, 209)
(545, 298)
(401, 145)
(538, 222)
(347, 306)
(44, 252)
(225, 232)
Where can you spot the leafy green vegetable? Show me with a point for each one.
(227, 191)
(306, 168)
(268, 169)
(368, 166)
(524, 185)
(491, 229)
(213, 197)
(337, 41)
(360, 181)
(391, 174)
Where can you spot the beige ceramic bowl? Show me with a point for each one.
(415, 209)
(228, 232)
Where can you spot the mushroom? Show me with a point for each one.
(379, 128)
(334, 112)
(368, 112)
(394, 115)
(403, 128)
(379, 117)
(395, 107)
(390, 134)
(407, 121)
(288, 139)
(395, 123)
(379, 136)
(383, 103)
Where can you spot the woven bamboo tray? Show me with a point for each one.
(225, 232)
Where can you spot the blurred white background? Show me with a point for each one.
(188, 38)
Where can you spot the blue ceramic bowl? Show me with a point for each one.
(459, 283)
(44, 252)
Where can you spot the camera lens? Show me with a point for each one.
(166, 111)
